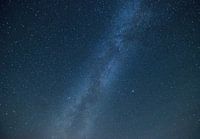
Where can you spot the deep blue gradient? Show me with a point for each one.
(100, 69)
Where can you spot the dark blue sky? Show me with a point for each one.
(99, 69)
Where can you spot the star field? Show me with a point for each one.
(97, 69)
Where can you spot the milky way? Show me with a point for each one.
(79, 114)
(77, 119)
(99, 69)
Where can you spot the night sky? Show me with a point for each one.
(100, 69)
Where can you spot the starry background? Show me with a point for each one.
(100, 69)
